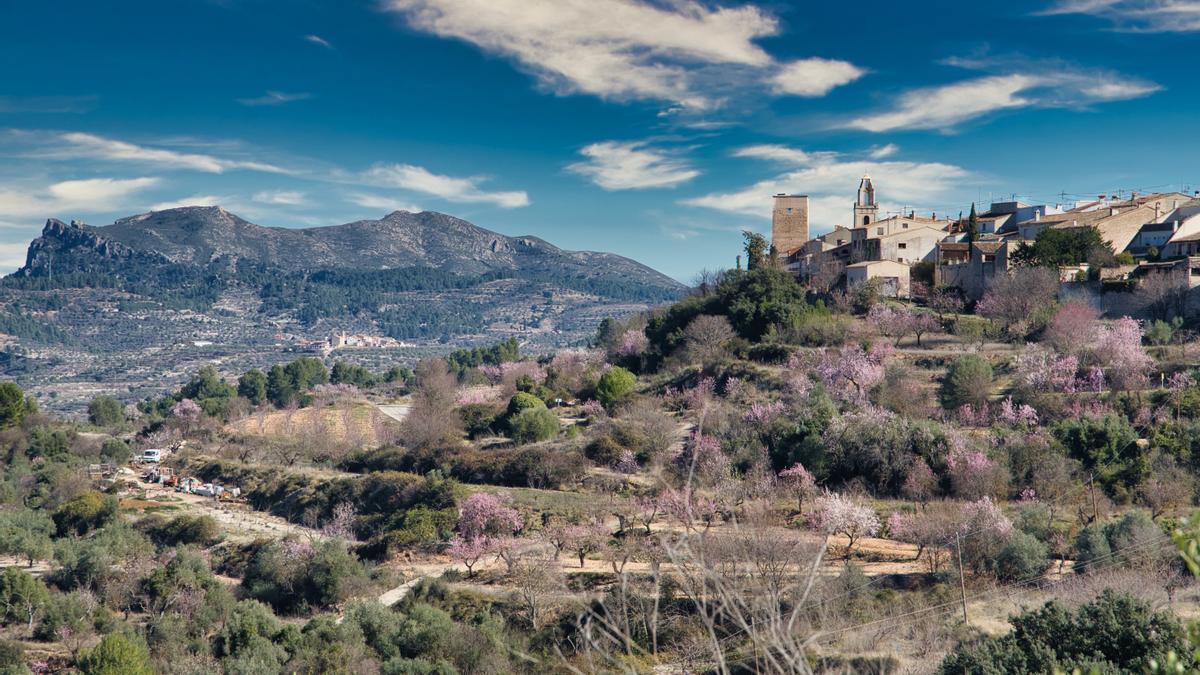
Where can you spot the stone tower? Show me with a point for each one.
(789, 223)
(866, 211)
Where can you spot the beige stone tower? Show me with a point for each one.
(789, 223)
(866, 211)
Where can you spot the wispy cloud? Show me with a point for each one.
(281, 197)
(1136, 16)
(46, 104)
(318, 40)
(77, 145)
(683, 52)
(631, 165)
(814, 77)
(450, 188)
(830, 180)
(883, 151)
(274, 98)
(65, 197)
(373, 201)
(194, 200)
(781, 154)
(1024, 85)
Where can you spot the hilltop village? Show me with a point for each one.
(1109, 243)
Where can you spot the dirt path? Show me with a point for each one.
(238, 520)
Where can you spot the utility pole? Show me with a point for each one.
(962, 582)
(1092, 489)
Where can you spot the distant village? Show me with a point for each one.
(1157, 233)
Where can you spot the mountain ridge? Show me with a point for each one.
(201, 236)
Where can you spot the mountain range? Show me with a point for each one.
(162, 289)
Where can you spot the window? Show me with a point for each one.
(903, 245)
(879, 230)
(905, 226)
(789, 210)
(866, 220)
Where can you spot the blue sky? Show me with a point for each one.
(657, 130)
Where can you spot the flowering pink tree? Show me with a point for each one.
(470, 551)
(1073, 327)
(983, 517)
(838, 514)
(633, 344)
(688, 508)
(930, 531)
(919, 483)
(800, 482)
(341, 524)
(1118, 348)
(1023, 415)
(702, 459)
(489, 515)
(891, 322)
(972, 474)
(1040, 369)
(763, 414)
(187, 411)
(924, 322)
(646, 509)
(583, 539)
(851, 366)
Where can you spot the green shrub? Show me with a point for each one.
(182, 530)
(1112, 633)
(88, 511)
(117, 654)
(615, 385)
(106, 411)
(534, 425)
(604, 450)
(1022, 557)
(968, 382)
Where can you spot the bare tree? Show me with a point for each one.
(537, 582)
(432, 421)
(704, 339)
(1163, 295)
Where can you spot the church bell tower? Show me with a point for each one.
(866, 211)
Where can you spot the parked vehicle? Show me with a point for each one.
(152, 455)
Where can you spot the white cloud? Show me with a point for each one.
(318, 40)
(814, 77)
(774, 153)
(62, 198)
(194, 200)
(631, 165)
(373, 201)
(450, 188)
(274, 98)
(831, 182)
(1136, 16)
(884, 151)
(90, 146)
(679, 51)
(947, 106)
(281, 197)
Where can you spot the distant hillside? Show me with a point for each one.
(204, 278)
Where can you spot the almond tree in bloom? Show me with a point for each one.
(583, 539)
(919, 483)
(851, 367)
(688, 508)
(892, 322)
(702, 459)
(801, 482)
(470, 551)
(1040, 369)
(835, 513)
(187, 411)
(763, 414)
(972, 473)
(924, 322)
(1073, 327)
(633, 344)
(1023, 415)
(1119, 350)
(488, 515)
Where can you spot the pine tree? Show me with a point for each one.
(972, 225)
